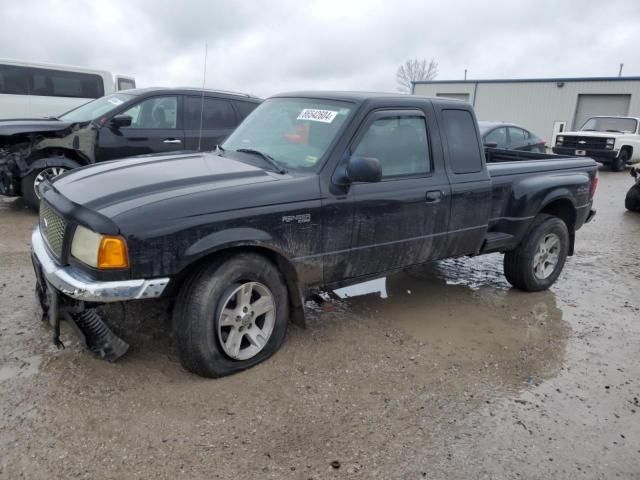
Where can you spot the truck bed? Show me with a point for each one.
(523, 183)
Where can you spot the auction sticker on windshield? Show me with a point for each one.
(315, 115)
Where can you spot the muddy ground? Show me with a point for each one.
(443, 372)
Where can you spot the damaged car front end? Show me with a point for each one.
(32, 151)
(67, 257)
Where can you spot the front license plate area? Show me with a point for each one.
(582, 153)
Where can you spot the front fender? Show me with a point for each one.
(251, 238)
(50, 162)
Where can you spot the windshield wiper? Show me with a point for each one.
(266, 157)
(618, 131)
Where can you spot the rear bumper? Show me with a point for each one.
(75, 284)
(603, 156)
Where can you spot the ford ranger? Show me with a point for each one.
(312, 191)
(614, 141)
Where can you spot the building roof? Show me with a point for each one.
(533, 80)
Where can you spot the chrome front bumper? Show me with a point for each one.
(69, 281)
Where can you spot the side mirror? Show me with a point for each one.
(121, 121)
(364, 169)
(491, 144)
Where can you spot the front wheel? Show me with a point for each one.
(31, 182)
(620, 163)
(537, 262)
(632, 200)
(231, 316)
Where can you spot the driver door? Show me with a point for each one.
(155, 128)
(401, 220)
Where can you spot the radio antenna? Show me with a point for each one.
(204, 78)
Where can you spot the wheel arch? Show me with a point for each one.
(58, 158)
(564, 209)
(628, 149)
(284, 265)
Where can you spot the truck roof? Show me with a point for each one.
(360, 97)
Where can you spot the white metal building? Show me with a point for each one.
(545, 106)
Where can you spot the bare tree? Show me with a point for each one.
(415, 70)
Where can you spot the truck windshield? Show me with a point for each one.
(295, 132)
(96, 108)
(610, 124)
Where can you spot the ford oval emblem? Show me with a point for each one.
(582, 142)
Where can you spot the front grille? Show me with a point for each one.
(590, 143)
(52, 227)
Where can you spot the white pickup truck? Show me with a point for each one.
(614, 141)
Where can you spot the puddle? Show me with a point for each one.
(29, 366)
(464, 310)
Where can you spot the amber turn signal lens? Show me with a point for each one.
(113, 253)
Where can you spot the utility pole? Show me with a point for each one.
(465, 73)
(620, 71)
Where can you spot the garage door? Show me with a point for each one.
(457, 96)
(593, 105)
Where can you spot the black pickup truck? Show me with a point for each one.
(312, 191)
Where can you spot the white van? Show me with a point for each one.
(32, 90)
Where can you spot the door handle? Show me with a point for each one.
(172, 140)
(433, 196)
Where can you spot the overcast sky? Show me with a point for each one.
(265, 47)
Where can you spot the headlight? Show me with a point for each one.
(610, 143)
(559, 140)
(99, 251)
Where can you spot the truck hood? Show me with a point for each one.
(592, 134)
(27, 125)
(112, 188)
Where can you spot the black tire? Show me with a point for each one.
(200, 303)
(519, 263)
(620, 163)
(28, 182)
(632, 200)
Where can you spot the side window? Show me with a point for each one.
(126, 84)
(517, 135)
(400, 143)
(156, 112)
(14, 80)
(499, 136)
(244, 109)
(218, 113)
(462, 140)
(55, 83)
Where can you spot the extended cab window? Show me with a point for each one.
(217, 113)
(462, 140)
(399, 143)
(156, 112)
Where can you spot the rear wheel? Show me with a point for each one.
(620, 163)
(231, 316)
(31, 182)
(537, 262)
(632, 200)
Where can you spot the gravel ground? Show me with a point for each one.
(442, 372)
